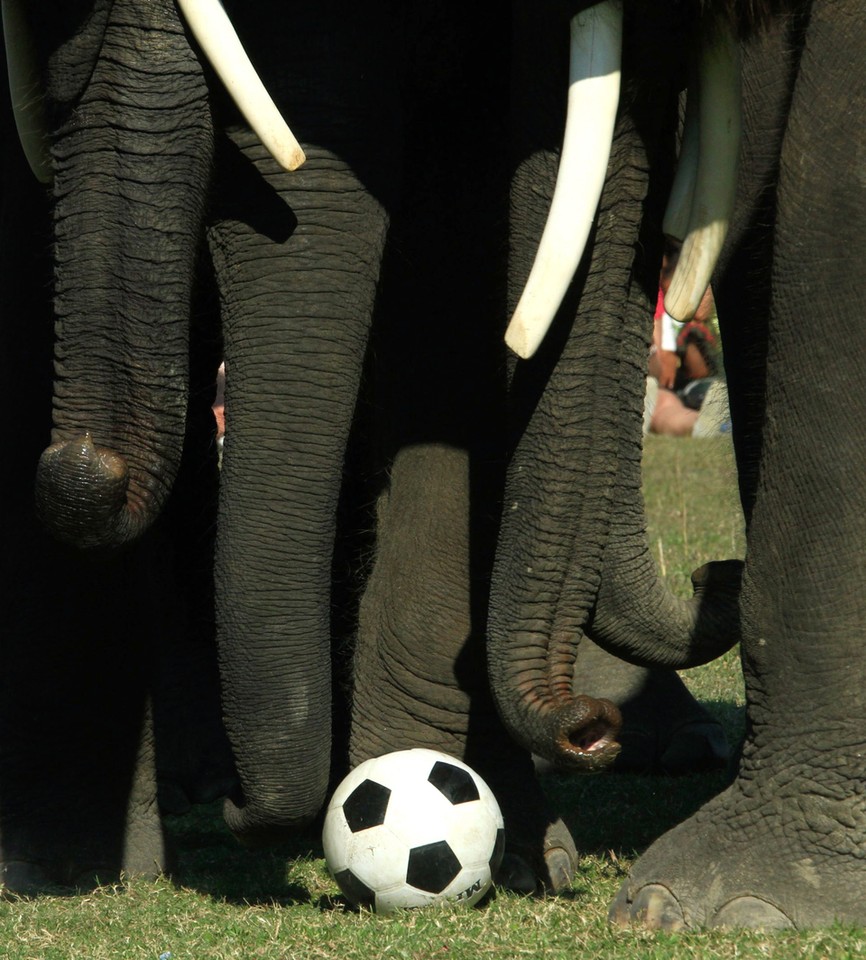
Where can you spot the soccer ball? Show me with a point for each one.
(412, 828)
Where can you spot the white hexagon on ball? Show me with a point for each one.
(411, 828)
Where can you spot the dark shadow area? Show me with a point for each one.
(625, 813)
(732, 717)
(72, 637)
(241, 193)
(207, 858)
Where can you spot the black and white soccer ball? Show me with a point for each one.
(412, 828)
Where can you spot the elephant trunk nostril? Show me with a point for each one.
(84, 497)
(590, 738)
(584, 734)
(589, 732)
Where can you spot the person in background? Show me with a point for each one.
(684, 367)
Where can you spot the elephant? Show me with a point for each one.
(780, 847)
(290, 265)
(782, 840)
(363, 411)
(110, 703)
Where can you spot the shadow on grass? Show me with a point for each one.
(610, 812)
(732, 716)
(207, 858)
(624, 813)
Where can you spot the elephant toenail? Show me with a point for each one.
(752, 913)
(653, 907)
(620, 909)
(560, 869)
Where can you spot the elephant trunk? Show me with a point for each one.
(131, 160)
(85, 496)
(578, 731)
(582, 390)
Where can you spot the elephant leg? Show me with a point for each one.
(437, 390)
(419, 670)
(782, 847)
(78, 800)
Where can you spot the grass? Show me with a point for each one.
(228, 903)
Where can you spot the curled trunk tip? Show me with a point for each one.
(83, 496)
(576, 733)
(583, 734)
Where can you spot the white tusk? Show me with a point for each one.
(716, 178)
(676, 220)
(216, 36)
(25, 91)
(593, 98)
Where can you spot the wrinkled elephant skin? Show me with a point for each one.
(386, 214)
(782, 847)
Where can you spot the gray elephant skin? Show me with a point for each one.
(173, 239)
(300, 261)
(781, 847)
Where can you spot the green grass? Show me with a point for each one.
(228, 902)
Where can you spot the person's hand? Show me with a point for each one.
(663, 366)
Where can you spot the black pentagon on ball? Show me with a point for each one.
(366, 805)
(355, 890)
(453, 782)
(432, 867)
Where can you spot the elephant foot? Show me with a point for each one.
(743, 861)
(665, 730)
(526, 869)
(540, 853)
(27, 878)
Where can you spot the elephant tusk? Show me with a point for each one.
(716, 177)
(25, 91)
(216, 36)
(593, 98)
(676, 219)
